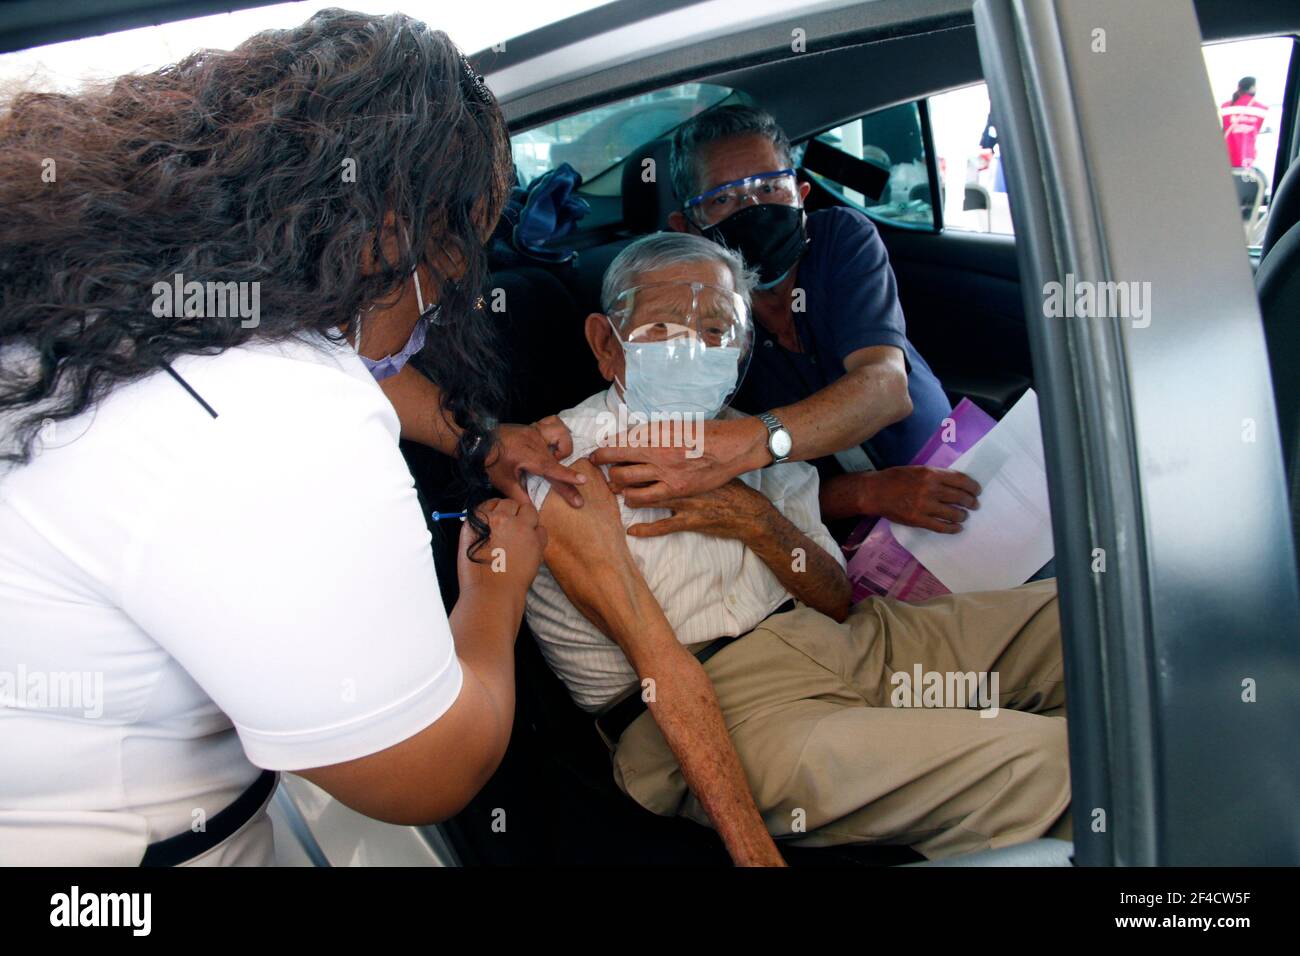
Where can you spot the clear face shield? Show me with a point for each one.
(780, 187)
(686, 347)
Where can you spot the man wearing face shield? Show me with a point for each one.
(712, 638)
(832, 366)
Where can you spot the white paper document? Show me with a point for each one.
(1009, 536)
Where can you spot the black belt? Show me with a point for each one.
(175, 850)
(612, 723)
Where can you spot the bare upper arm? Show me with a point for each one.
(428, 777)
(886, 365)
(587, 553)
(887, 357)
(596, 527)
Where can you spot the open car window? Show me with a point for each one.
(1251, 121)
(970, 156)
(891, 139)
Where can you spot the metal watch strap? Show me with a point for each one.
(774, 425)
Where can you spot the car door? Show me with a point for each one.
(1173, 543)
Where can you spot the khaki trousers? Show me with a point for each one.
(816, 713)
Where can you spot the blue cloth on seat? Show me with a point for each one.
(548, 209)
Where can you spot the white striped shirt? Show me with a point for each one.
(708, 587)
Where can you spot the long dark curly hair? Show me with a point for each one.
(231, 166)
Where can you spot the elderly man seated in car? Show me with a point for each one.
(713, 637)
(834, 373)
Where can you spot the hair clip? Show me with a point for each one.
(476, 81)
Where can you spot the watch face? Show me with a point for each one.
(780, 443)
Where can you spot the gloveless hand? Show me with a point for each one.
(936, 499)
(536, 450)
(651, 476)
(511, 555)
(596, 566)
(733, 511)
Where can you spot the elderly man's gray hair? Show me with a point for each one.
(720, 122)
(660, 250)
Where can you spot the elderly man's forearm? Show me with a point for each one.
(803, 567)
(690, 719)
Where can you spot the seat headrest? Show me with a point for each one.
(1283, 208)
(648, 199)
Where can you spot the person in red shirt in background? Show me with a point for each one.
(1243, 118)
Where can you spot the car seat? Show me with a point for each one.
(1277, 282)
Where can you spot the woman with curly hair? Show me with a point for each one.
(212, 557)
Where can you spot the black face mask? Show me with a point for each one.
(769, 238)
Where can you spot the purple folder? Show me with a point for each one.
(878, 564)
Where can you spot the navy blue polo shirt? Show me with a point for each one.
(851, 302)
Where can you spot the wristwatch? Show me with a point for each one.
(779, 442)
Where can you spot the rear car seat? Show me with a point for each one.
(542, 344)
(1277, 283)
(648, 198)
(546, 306)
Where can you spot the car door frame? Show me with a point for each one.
(1177, 589)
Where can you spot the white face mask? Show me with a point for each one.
(678, 377)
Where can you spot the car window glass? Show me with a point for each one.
(891, 139)
(593, 141)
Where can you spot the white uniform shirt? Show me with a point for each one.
(708, 587)
(209, 596)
